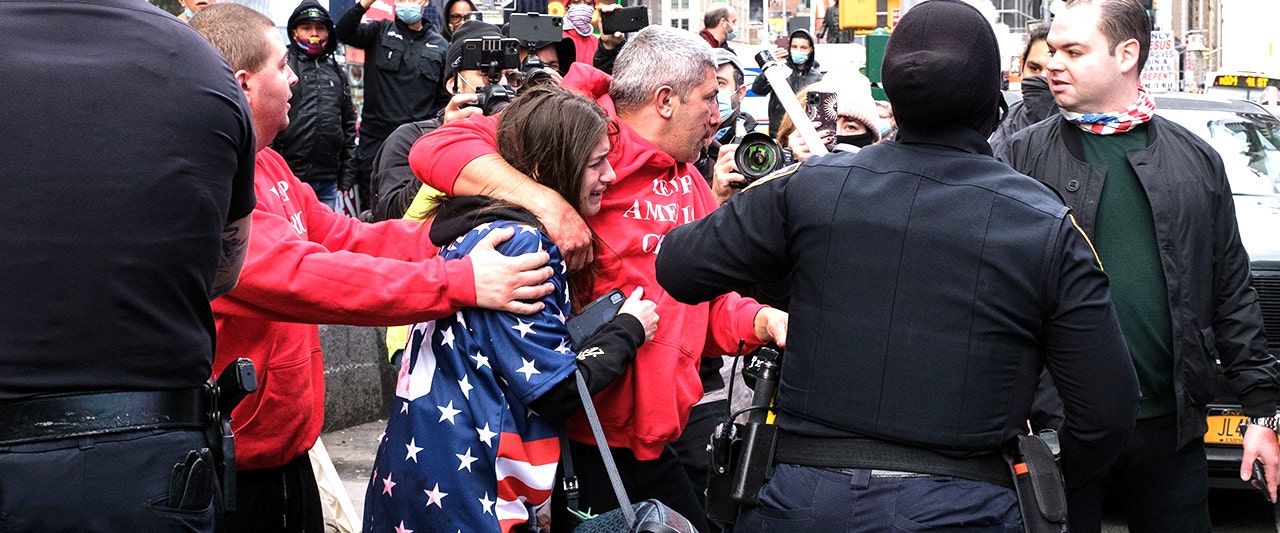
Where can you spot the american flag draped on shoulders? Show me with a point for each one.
(462, 452)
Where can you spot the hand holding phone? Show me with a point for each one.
(820, 106)
(624, 20)
(594, 315)
(1259, 479)
(644, 310)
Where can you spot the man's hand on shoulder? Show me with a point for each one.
(512, 284)
(565, 227)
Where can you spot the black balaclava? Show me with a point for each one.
(942, 67)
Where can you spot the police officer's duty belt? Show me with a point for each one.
(82, 415)
(828, 452)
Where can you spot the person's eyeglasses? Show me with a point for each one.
(455, 17)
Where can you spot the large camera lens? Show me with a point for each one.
(757, 156)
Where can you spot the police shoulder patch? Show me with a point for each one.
(780, 173)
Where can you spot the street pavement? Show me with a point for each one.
(352, 451)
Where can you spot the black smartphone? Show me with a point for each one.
(532, 27)
(594, 315)
(625, 20)
(820, 106)
(474, 15)
(1259, 479)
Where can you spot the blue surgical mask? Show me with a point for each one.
(408, 13)
(885, 127)
(189, 13)
(799, 57)
(733, 33)
(725, 100)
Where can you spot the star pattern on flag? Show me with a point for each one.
(413, 451)
(486, 435)
(434, 496)
(563, 347)
(465, 460)
(465, 384)
(516, 466)
(387, 484)
(447, 412)
(528, 369)
(481, 360)
(525, 328)
(446, 337)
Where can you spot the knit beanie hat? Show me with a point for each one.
(472, 29)
(942, 67)
(853, 101)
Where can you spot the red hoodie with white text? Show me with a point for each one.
(308, 265)
(648, 406)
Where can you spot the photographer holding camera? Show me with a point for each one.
(931, 284)
(394, 187)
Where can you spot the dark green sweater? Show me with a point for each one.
(1125, 238)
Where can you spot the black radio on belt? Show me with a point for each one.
(742, 455)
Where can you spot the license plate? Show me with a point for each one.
(1222, 429)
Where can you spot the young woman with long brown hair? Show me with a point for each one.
(483, 395)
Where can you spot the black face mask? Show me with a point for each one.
(860, 140)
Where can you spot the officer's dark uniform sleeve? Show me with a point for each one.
(243, 199)
(1086, 354)
(740, 244)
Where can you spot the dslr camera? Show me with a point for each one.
(759, 155)
(491, 55)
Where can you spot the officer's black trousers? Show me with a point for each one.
(117, 482)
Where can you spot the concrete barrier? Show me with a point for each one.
(359, 382)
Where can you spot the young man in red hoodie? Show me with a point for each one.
(308, 265)
(663, 95)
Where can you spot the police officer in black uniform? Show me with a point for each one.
(127, 178)
(931, 283)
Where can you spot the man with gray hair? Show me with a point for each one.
(663, 96)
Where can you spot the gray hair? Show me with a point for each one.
(657, 56)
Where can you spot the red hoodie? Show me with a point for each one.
(648, 406)
(307, 265)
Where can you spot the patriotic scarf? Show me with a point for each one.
(1115, 121)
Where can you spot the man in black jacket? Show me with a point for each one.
(403, 74)
(394, 185)
(1156, 201)
(800, 56)
(930, 284)
(320, 142)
